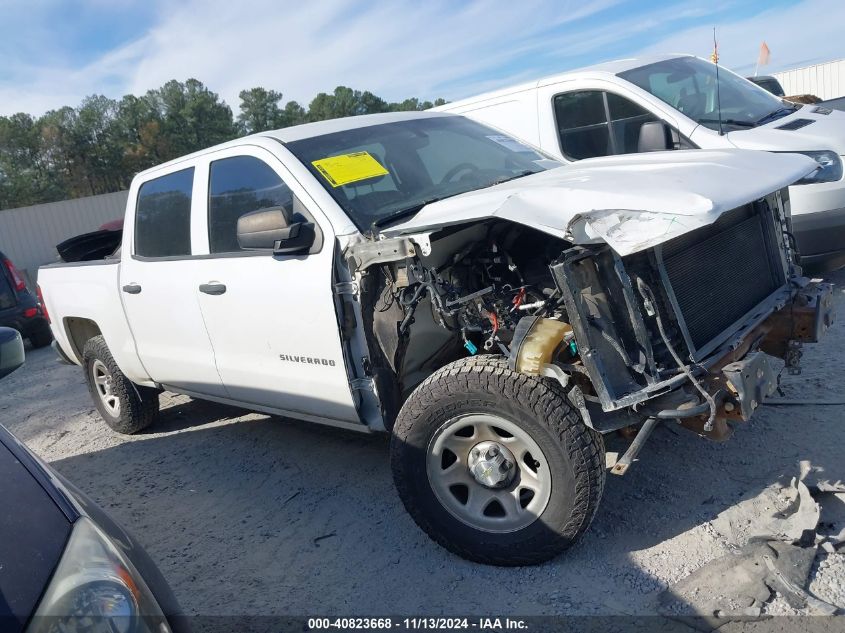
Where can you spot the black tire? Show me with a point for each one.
(574, 453)
(138, 406)
(42, 337)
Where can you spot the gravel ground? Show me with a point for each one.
(250, 514)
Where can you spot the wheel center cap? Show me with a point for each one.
(491, 464)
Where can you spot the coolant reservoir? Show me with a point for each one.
(537, 346)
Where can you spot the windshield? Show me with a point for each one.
(384, 173)
(769, 84)
(688, 84)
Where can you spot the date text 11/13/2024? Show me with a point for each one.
(419, 623)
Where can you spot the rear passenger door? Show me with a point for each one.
(158, 280)
(271, 318)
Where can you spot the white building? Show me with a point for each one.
(28, 235)
(826, 81)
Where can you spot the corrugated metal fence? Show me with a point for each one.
(826, 81)
(28, 235)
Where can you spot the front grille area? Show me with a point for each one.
(721, 272)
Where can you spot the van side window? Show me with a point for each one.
(626, 119)
(596, 123)
(239, 185)
(163, 216)
(582, 124)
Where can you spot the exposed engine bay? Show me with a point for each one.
(482, 291)
(670, 332)
(467, 297)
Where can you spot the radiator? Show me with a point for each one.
(720, 273)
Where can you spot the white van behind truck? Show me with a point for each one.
(674, 102)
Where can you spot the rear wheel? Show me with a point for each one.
(496, 466)
(125, 406)
(41, 337)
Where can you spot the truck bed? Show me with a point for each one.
(80, 296)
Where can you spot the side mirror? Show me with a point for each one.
(274, 229)
(11, 351)
(655, 136)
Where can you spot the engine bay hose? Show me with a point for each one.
(648, 296)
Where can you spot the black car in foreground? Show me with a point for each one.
(19, 308)
(65, 566)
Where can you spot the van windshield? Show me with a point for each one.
(385, 173)
(688, 84)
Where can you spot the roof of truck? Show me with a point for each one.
(306, 130)
(319, 128)
(605, 68)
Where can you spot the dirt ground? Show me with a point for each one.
(250, 514)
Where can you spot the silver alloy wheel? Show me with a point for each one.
(500, 490)
(105, 387)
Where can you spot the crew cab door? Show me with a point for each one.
(271, 318)
(158, 279)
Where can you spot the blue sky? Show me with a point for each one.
(55, 52)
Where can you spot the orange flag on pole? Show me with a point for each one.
(763, 57)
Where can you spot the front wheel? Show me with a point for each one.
(125, 406)
(496, 466)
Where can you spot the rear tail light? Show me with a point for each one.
(30, 312)
(17, 278)
(41, 303)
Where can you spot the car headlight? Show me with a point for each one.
(830, 167)
(94, 589)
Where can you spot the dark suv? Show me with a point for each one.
(19, 308)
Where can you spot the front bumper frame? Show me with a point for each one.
(743, 379)
(740, 376)
(750, 381)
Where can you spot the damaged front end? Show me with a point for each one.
(688, 330)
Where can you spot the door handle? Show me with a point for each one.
(132, 289)
(213, 288)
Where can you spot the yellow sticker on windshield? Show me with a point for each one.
(346, 168)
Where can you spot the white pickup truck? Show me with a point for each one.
(424, 275)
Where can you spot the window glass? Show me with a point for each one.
(404, 165)
(688, 84)
(240, 185)
(622, 108)
(163, 216)
(467, 154)
(370, 195)
(7, 295)
(771, 85)
(577, 109)
(626, 119)
(582, 124)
